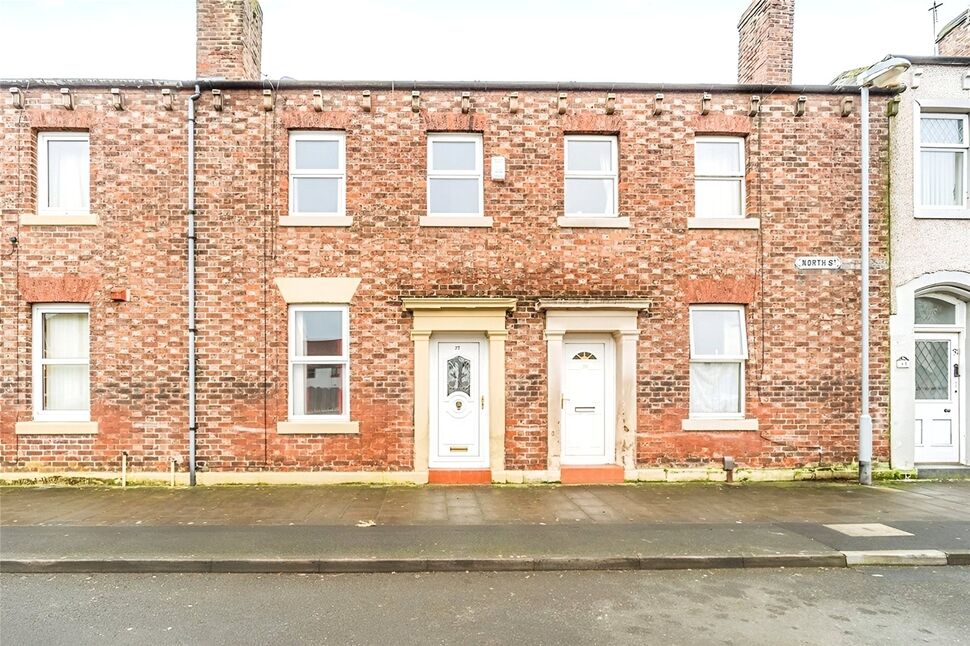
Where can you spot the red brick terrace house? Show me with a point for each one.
(444, 281)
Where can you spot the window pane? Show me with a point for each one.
(717, 333)
(315, 194)
(319, 334)
(67, 175)
(318, 389)
(65, 387)
(589, 155)
(717, 158)
(589, 197)
(941, 181)
(941, 131)
(65, 335)
(454, 196)
(932, 376)
(717, 198)
(453, 155)
(933, 311)
(317, 155)
(715, 387)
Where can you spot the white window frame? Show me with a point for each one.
(340, 173)
(38, 362)
(588, 174)
(741, 359)
(342, 359)
(478, 173)
(43, 184)
(739, 178)
(931, 210)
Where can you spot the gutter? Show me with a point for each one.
(191, 280)
(479, 86)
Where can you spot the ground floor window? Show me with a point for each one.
(319, 363)
(61, 365)
(718, 351)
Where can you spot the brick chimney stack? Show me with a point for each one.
(954, 38)
(765, 34)
(228, 39)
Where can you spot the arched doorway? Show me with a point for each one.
(930, 408)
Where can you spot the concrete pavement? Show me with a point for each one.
(384, 529)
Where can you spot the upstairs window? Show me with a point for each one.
(455, 182)
(718, 352)
(591, 176)
(319, 363)
(317, 173)
(719, 177)
(63, 173)
(943, 161)
(61, 389)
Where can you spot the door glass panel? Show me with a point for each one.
(934, 311)
(932, 370)
(459, 375)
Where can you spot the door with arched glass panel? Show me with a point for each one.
(937, 379)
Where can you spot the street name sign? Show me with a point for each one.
(818, 262)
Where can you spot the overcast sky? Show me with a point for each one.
(687, 41)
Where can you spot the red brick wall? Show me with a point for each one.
(765, 41)
(803, 372)
(955, 41)
(229, 37)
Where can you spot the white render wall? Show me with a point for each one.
(926, 254)
(920, 246)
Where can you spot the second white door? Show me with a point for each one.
(588, 424)
(937, 381)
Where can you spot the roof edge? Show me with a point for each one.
(481, 86)
(935, 60)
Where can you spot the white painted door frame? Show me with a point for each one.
(479, 399)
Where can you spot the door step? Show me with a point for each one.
(460, 476)
(592, 474)
(942, 472)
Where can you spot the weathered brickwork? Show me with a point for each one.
(802, 378)
(954, 38)
(765, 42)
(229, 37)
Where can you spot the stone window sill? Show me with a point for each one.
(317, 428)
(316, 221)
(723, 223)
(703, 424)
(445, 221)
(59, 220)
(942, 214)
(56, 428)
(603, 222)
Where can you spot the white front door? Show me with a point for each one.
(459, 398)
(588, 424)
(937, 409)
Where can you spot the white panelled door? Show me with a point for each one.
(459, 397)
(937, 409)
(588, 426)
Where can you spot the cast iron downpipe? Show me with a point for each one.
(191, 282)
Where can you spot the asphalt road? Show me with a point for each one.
(805, 606)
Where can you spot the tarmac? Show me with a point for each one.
(272, 529)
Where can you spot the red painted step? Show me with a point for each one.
(460, 476)
(593, 474)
